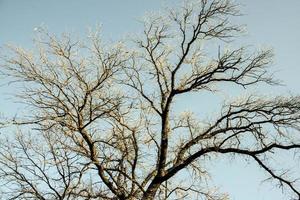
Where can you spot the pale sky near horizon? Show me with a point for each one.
(272, 23)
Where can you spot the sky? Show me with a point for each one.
(270, 23)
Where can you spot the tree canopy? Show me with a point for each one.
(100, 120)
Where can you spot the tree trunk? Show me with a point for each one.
(151, 191)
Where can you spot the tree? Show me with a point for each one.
(100, 120)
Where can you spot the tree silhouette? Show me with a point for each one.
(100, 121)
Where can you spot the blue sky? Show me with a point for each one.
(271, 23)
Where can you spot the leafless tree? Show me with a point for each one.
(100, 121)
